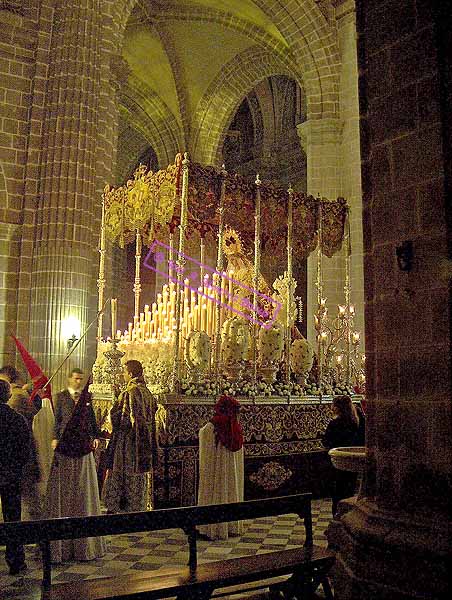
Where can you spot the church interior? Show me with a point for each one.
(251, 198)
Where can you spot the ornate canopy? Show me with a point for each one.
(149, 203)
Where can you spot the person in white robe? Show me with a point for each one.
(43, 432)
(221, 463)
(72, 489)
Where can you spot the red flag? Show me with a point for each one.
(35, 372)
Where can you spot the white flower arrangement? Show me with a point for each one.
(235, 340)
(197, 350)
(301, 356)
(271, 344)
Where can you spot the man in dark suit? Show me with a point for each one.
(15, 445)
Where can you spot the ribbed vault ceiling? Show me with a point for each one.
(178, 50)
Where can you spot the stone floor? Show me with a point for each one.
(165, 549)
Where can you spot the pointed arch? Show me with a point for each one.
(311, 39)
(218, 105)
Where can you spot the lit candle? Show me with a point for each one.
(205, 284)
(341, 311)
(196, 318)
(352, 309)
(203, 317)
(130, 331)
(160, 311)
(114, 307)
(209, 311)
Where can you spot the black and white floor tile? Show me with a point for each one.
(165, 549)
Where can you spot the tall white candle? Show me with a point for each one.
(114, 308)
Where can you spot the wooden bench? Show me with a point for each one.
(307, 566)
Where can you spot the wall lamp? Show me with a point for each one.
(70, 331)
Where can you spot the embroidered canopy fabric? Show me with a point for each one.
(150, 203)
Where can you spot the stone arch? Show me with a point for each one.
(311, 39)
(201, 14)
(147, 113)
(219, 103)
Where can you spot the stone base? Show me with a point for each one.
(385, 555)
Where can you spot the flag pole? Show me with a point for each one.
(58, 369)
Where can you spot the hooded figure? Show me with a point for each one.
(221, 460)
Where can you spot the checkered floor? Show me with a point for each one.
(166, 549)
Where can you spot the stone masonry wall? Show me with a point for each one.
(407, 320)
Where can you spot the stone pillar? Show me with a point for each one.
(62, 278)
(320, 140)
(350, 155)
(395, 541)
(9, 261)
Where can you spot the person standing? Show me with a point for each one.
(44, 422)
(15, 445)
(221, 460)
(72, 490)
(347, 428)
(29, 408)
(132, 451)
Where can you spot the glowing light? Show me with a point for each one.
(71, 327)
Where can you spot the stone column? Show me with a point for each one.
(350, 155)
(62, 278)
(9, 260)
(395, 540)
(320, 140)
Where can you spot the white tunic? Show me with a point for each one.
(221, 480)
(43, 431)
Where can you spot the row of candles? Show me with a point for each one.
(198, 307)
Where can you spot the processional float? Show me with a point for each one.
(217, 327)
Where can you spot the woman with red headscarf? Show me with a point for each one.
(221, 464)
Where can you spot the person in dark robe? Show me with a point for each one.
(72, 490)
(15, 446)
(132, 451)
(40, 393)
(21, 402)
(347, 428)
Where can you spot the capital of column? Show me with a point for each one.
(319, 132)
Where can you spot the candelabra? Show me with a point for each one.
(113, 369)
(340, 362)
